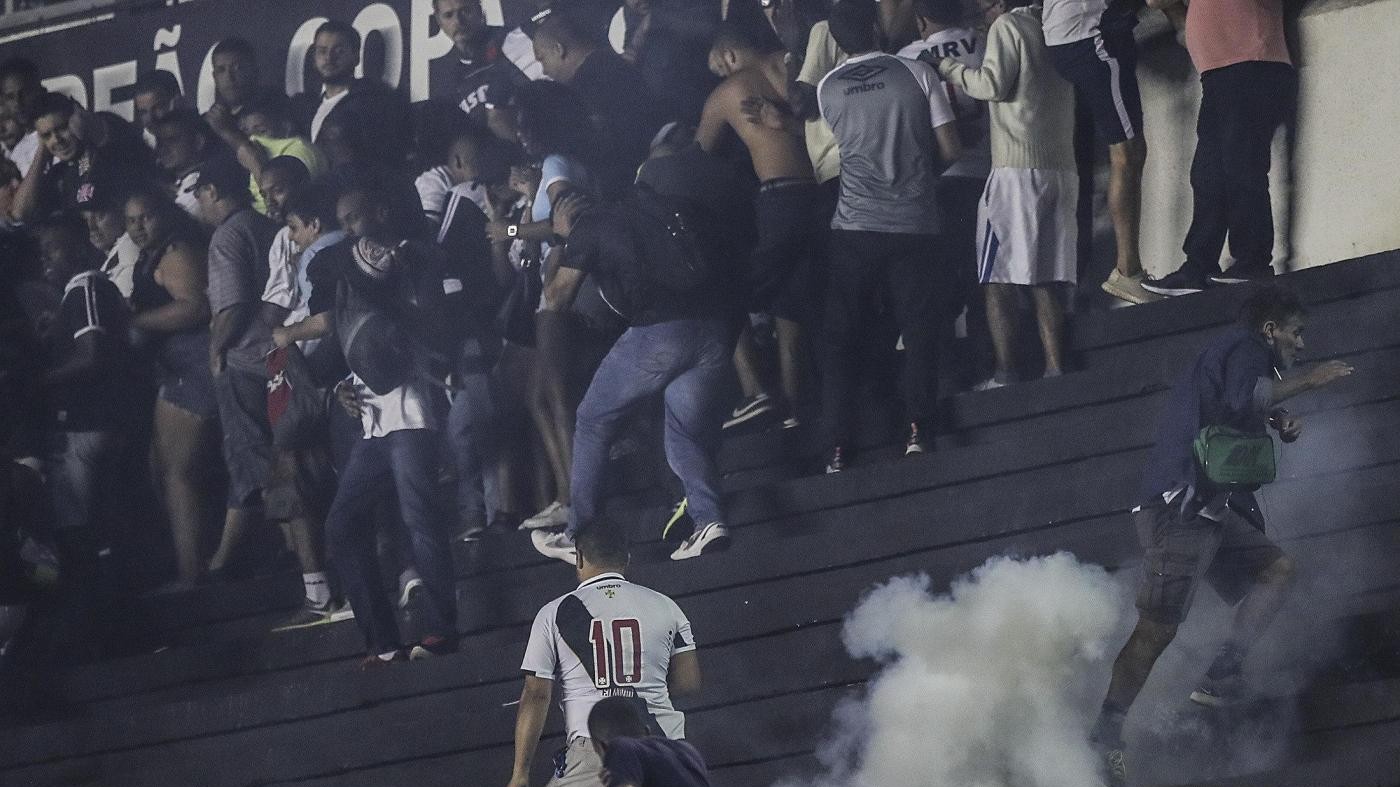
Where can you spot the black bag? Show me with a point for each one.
(515, 318)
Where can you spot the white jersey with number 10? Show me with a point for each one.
(610, 638)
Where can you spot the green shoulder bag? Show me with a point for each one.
(1231, 458)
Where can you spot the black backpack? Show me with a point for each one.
(678, 242)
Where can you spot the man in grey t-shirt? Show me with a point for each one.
(896, 132)
(237, 270)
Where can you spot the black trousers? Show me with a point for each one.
(1241, 107)
(907, 273)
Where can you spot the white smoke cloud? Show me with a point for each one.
(993, 685)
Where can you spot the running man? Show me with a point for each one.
(1192, 530)
(607, 638)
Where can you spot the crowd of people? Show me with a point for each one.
(386, 328)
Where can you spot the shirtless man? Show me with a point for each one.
(785, 273)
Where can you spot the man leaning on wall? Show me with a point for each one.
(1248, 89)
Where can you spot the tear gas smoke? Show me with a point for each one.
(993, 685)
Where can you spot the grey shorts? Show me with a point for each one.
(300, 485)
(1180, 552)
(242, 402)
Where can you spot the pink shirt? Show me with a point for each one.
(1222, 33)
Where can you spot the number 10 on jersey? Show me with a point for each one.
(617, 652)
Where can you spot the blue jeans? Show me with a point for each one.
(688, 360)
(472, 431)
(79, 465)
(401, 462)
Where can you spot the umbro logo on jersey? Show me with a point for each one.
(863, 73)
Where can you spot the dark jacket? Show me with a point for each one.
(1229, 384)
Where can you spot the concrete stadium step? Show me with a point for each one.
(449, 751)
(1036, 468)
(859, 485)
(1359, 400)
(309, 692)
(1120, 392)
(1093, 487)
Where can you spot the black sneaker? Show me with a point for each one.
(312, 614)
(1219, 692)
(915, 444)
(1243, 274)
(835, 463)
(749, 409)
(1180, 282)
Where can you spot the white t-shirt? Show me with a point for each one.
(968, 48)
(433, 186)
(184, 193)
(520, 50)
(24, 151)
(281, 287)
(554, 169)
(120, 265)
(610, 638)
(405, 407)
(1067, 21)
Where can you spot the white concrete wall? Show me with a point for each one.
(1339, 196)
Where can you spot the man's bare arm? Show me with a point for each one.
(529, 722)
(683, 679)
(714, 118)
(314, 327)
(949, 145)
(1314, 378)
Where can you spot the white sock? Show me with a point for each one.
(318, 589)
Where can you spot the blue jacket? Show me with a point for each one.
(1230, 384)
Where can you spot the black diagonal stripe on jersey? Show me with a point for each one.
(573, 621)
(678, 642)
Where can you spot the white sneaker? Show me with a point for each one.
(554, 515)
(989, 384)
(713, 537)
(556, 545)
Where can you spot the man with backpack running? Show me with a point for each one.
(650, 257)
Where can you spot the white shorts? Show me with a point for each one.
(1027, 231)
